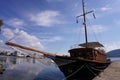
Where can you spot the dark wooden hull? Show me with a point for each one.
(79, 68)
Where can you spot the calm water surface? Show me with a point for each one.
(14, 68)
(115, 58)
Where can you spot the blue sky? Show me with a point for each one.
(50, 25)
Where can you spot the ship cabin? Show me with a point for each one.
(94, 51)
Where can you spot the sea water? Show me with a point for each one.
(115, 58)
(16, 68)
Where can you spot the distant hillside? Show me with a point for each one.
(114, 53)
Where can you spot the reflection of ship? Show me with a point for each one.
(89, 57)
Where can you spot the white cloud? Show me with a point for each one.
(92, 29)
(53, 0)
(112, 46)
(30, 40)
(53, 39)
(46, 18)
(111, 6)
(76, 4)
(96, 28)
(117, 22)
(1, 41)
(23, 37)
(15, 22)
(8, 33)
(56, 38)
(105, 8)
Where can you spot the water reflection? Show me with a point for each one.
(1, 69)
(15, 68)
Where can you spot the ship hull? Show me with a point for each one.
(79, 68)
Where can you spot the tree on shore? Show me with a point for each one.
(1, 23)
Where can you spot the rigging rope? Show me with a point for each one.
(92, 30)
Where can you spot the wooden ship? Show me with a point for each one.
(88, 57)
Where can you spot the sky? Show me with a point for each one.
(50, 25)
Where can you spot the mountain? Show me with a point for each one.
(114, 53)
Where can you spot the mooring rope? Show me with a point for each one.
(96, 69)
(91, 70)
(74, 72)
(87, 66)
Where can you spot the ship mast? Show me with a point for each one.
(84, 21)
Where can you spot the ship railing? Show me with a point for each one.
(75, 46)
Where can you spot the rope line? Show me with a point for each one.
(91, 70)
(88, 67)
(96, 69)
(74, 72)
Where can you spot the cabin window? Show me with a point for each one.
(96, 53)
